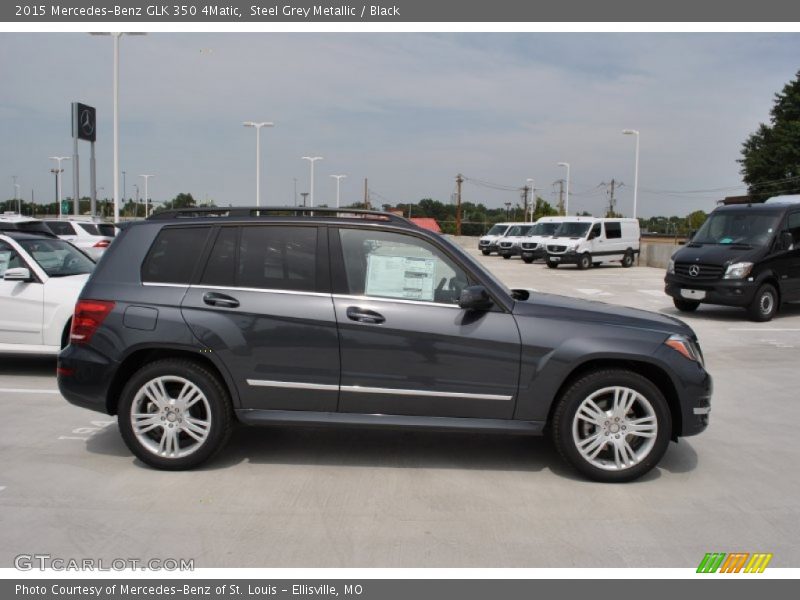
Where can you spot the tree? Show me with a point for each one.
(695, 220)
(771, 156)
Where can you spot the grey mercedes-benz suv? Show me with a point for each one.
(196, 319)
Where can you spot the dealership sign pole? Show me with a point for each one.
(84, 127)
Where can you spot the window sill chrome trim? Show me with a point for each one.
(398, 392)
(226, 288)
(380, 299)
(292, 385)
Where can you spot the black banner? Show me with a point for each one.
(401, 11)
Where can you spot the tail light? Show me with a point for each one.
(89, 314)
(102, 244)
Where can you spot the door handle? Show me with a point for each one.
(214, 299)
(364, 315)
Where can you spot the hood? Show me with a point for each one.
(574, 309)
(564, 240)
(717, 254)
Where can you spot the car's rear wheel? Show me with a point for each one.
(174, 414)
(552, 265)
(685, 305)
(627, 260)
(612, 425)
(585, 261)
(765, 303)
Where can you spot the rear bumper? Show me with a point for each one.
(84, 377)
(728, 292)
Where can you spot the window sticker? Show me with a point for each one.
(4, 260)
(405, 277)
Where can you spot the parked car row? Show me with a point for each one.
(580, 241)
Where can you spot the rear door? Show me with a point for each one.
(263, 305)
(406, 346)
(21, 302)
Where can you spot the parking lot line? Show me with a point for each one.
(768, 329)
(26, 391)
(592, 292)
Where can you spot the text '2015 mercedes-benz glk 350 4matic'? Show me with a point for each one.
(196, 319)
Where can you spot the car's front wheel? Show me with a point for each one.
(584, 261)
(527, 259)
(765, 304)
(612, 425)
(486, 252)
(551, 264)
(685, 305)
(174, 414)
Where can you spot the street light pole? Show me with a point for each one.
(146, 197)
(258, 125)
(17, 197)
(312, 160)
(636, 168)
(59, 170)
(533, 199)
(338, 179)
(566, 202)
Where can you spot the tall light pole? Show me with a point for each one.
(566, 202)
(312, 160)
(258, 125)
(533, 199)
(116, 36)
(59, 170)
(338, 179)
(636, 168)
(146, 197)
(17, 197)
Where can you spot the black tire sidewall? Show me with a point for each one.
(584, 261)
(218, 400)
(685, 305)
(527, 260)
(755, 308)
(575, 394)
(627, 260)
(552, 265)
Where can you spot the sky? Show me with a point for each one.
(408, 111)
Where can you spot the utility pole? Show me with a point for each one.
(459, 181)
(508, 208)
(304, 195)
(366, 194)
(560, 183)
(525, 191)
(611, 200)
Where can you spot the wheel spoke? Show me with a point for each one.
(169, 443)
(589, 411)
(628, 452)
(623, 401)
(645, 427)
(144, 422)
(592, 446)
(195, 425)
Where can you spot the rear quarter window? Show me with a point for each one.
(60, 227)
(174, 255)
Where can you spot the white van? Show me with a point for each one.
(532, 247)
(587, 241)
(508, 245)
(489, 242)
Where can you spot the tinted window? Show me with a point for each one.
(595, 231)
(393, 265)
(793, 225)
(173, 256)
(281, 258)
(613, 230)
(89, 228)
(107, 229)
(60, 227)
(9, 259)
(57, 257)
(221, 267)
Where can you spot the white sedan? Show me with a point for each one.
(40, 280)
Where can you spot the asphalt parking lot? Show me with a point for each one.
(292, 497)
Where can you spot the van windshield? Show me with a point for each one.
(737, 228)
(497, 230)
(519, 230)
(572, 230)
(544, 229)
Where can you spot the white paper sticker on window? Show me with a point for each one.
(404, 277)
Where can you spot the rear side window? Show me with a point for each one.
(173, 256)
(107, 229)
(276, 257)
(60, 227)
(221, 266)
(613, 230)
(89, 228)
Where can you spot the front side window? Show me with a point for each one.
(793, 225)
(173, 256)
(9, 259)
(403, 267)
(596, 231)
(56, 257)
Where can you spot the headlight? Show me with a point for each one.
(572, 246)
(738, 270)
(686, 347)
(671, 267)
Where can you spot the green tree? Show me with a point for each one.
(695, 220)
(771, 156)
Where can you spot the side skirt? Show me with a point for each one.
(297, 417)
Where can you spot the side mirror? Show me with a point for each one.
(475, 297)
(785, 241)
(17, 274)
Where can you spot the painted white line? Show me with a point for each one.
(592, 292)
(2, 487)
(768, 329)
(655, 293)
(26, 391)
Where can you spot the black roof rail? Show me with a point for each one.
(233, 212)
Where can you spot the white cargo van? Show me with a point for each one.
(532, 247)
(489, 242)
(587, 241)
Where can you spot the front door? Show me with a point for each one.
(21, 303)
(263, 306)
(406, 346)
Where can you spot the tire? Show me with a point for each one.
(585, 261)
(486, 252)
(765, 303)
(528, 260)
(551, 264)
(612, 462)
(506, 256)
(627, 260)
(193, 442)
(685, 305)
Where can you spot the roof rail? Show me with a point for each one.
(277, 211)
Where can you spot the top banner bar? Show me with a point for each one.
(402, 11)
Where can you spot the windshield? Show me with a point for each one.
(57, 257)
(497, 230)
(572, 229)
(737, 228)
(544, 229)
(519, 230)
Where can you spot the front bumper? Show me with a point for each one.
(513, 251)
(728, 292)
(535, 254)
(694, 388)
(570, 257)
(487, 247)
